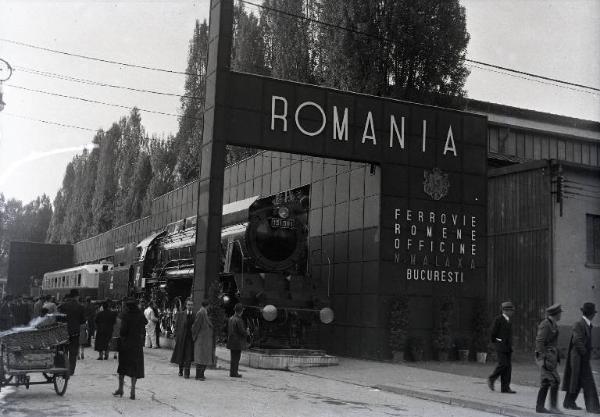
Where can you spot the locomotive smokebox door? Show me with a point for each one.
(276, 237)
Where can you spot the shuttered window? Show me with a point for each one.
(593, 240)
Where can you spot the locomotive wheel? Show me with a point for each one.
(60, 384)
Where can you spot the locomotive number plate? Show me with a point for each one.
(282, 223)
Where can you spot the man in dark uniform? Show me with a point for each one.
(547, 358)
(501, 336)
(75, 318)
(236, 339)
(578, 371)
(183, 353)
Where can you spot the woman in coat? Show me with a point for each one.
(105, 321)
(203, 335)
(131, 349)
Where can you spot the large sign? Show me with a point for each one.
(433, 161)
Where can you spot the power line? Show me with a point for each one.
(358, 32)
(87, 100)
(534, 80)
(49, 122)
(96, 83)
(107, 61)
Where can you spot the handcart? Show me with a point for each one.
(35, 350)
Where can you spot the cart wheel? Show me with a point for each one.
(60, 384)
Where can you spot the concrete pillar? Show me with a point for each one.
(210, 186)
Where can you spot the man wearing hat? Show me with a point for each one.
(501, 337)
(75, 318)
(578, 371)
(236, 339)
(547, 358)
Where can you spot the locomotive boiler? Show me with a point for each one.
(265, 265)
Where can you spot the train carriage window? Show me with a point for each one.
(79, 280)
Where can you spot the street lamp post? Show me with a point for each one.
(5, 73)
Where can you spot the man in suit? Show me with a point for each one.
(578, 371)
(75, 318)
(236, 339)
(183, 353)
(501, 337)
(547, 358)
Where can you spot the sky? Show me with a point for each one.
(557, 39)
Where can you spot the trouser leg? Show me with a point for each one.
(73, 352)
(570, 398)
(506, 373)
(554, 396)
(235, 362)
(541, 397)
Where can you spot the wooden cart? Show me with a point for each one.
(33, 351)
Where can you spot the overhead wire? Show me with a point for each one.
(48, 122)
(64, 77)
(87, 100)
(383, 39)
(107, 61)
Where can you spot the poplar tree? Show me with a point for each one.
(188, 140)
(103, 202)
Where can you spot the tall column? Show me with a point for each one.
(210, 186)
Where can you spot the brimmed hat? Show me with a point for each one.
(554, 309)
(507, 305)
(588, 308)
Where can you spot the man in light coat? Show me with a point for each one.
(151, 320)
(578, 371)
(203, 335)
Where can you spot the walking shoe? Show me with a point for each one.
(508, 391)
(572, 407)
(236, 376)
(542, 410)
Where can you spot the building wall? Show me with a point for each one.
(519, 241)
(575, 281)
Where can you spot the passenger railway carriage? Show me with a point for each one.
(83, 278)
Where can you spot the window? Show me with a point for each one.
(593, 240)
(79, 280)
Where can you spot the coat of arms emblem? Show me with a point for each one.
(436, 184)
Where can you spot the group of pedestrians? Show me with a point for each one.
(578, 372)
(195, 340)
(18, 311)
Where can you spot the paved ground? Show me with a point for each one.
(260, 393)
(354, 388)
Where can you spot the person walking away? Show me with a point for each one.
(6, 316)
(578, 371)
(105, 321)
(547, 358)
(83, 339)
(37, 306)
(131, 350)
(237, 334)
(202, 333)
(183, 353)
(90, 318)
(158, 317)
(501, 337)
(150, 327)
(75, 318)
(113, 344)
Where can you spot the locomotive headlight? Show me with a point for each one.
(225, 299)
(283, 212)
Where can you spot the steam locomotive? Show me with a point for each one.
(265, 265)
